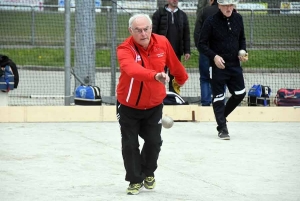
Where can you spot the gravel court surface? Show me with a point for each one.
(83, 162)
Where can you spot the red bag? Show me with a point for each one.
(287, 97)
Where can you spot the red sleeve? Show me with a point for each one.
(127, 60)
(175, 66)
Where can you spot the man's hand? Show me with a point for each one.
(219, 61)
(162, 77)
(187, 57)
(243, 58)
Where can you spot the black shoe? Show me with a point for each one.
(223, 133)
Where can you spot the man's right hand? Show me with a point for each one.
(219, 61)
(162, 77)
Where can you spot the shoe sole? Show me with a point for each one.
(224, 138)
(149, 187)
(130, 193)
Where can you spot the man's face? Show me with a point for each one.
(226, 9)
(141, 30)
(173, 3)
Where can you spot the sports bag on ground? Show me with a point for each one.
(87, 95)
(6, 79)
(4, 61)
(287, 97)
(259, 95)
(174, 99)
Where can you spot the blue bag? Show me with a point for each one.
(87, 95)
(259, 90)
(6, 79)
(259, 95)
(5, 61)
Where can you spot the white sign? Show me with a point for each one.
(192, 6)
(27, 5)
(61, 5)
(188, 6)
(252, 6)
(290, 8)
(136, 6)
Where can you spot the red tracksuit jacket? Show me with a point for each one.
(137, 87)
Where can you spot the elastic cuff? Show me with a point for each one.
(155, 76)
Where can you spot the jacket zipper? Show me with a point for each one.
(140, 93)
(142, 83)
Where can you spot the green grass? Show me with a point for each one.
(55, 57)
(47, 28)
(273, 59)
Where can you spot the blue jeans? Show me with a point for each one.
(204, 80)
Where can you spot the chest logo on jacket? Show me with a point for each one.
(138, 58)
(160, 54)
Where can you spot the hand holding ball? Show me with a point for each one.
(242, 53)
(167, 122)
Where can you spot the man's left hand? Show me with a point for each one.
(187, 57)
(243, 58)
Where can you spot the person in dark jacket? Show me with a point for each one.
(202, 4)
(204, 65)
(222, 36)
(173, 23)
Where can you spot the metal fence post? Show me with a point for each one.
(85, 46)
(108, 38)
(67, 53)
(113, 48)
(251, 28)
(32, 26)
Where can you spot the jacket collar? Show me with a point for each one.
(169, 10)
(220, 15)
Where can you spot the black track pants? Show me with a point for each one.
(147, 125)
(233, 78)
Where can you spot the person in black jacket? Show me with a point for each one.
(222, 36)
(204, 65)
(173, 23)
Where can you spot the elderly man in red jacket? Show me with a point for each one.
(140, 93)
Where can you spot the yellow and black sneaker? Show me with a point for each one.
(149, 182)
(134, 189)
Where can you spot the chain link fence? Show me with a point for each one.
(34, 37)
